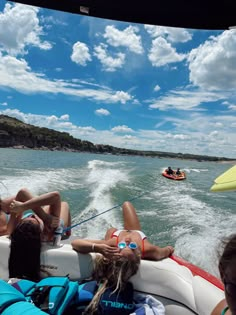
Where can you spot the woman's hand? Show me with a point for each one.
(107, 250)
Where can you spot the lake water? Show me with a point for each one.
(184, 214)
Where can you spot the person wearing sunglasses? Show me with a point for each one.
(130, 242)
(121, 251)
(227, 269)
(33, 220)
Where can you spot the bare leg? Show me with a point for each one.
(131, 221)
(23, 195)
(65, 214)
(66, 217)
(53, 199)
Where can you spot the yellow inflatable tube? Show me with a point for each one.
(226, 181)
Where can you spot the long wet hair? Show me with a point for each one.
(25, 248)
(229, 253)
(111, 273)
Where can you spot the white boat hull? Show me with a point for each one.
(173, 284)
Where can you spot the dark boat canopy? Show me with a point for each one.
(195, 14)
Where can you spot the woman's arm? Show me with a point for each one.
(12, 223)
(97, 246)
(51, 198)
(157, 253)
(52, 213)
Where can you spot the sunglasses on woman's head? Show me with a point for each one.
(131, 245)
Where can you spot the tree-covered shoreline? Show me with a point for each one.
(17, 134)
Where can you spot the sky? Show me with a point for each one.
(128, 85)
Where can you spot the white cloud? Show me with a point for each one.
(102, 112)
(64, 117)
(109, 63)
(19, 28)
(178, 35)
(184, 99)
(122, 97)
(4, 104)
(229, 105)
(80, 54)
(213, 64)
(181, 137)
(162, 53)
(16, 74)
(129, 137)
(126, 38)
(122, 129)
(232, 107)
(157, 88)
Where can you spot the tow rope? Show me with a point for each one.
(97, 215)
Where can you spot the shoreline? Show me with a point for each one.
(149, 154)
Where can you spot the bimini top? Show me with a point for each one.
(195, 14)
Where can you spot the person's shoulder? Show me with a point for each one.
(219, 308)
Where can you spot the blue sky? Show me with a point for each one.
(128, 85)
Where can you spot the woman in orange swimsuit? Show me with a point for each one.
(130, 242)
(121, 251)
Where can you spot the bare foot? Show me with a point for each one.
(171, 249)
(16, 207)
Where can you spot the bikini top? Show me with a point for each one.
(7, 217)
(224, 310)
(32, 215)
(142, 235)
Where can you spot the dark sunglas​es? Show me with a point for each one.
(131, 245)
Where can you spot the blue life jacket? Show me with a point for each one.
(118, 302)
(59, 295)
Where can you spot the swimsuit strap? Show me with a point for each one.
(116, 234)
(27, 215)
(224, 310)
(142, 235)
(7, 217)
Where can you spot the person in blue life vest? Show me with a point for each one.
(227, 269)
(28, 230)
(121, 251)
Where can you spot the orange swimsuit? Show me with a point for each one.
(142, 235)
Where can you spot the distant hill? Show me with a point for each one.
(16, 134)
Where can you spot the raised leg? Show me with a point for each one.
(65, 214)
(131, 221)
(23, 195)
